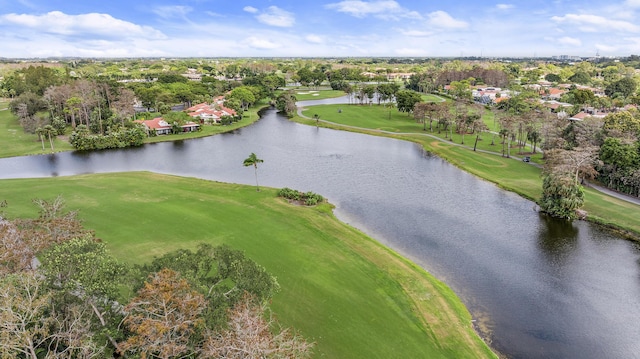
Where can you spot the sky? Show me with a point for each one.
(318, 28)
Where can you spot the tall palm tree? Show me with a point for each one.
(49, 130)
(253, 160)
(40, 133)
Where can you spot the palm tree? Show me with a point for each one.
(317, 118)
(253, 160)
(49, 130)
(40, 133)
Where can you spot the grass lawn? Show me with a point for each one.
(510, 174)
(15, 142)
(350, 295)
(304, 95)
(379, 117)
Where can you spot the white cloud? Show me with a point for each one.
(56, 22)
(505, 6)
(386, 9)
(632, 3)
(315, 39)
(569, 41)
(443, 20)
(274, 16)
(609, 48)
(250, 9)
(172, 11)
(259, 43)
(595, 23)
(415, 33)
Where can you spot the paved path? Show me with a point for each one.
(601, 189)
(612, 193)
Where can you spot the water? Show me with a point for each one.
(537, 288)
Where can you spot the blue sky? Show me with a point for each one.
(392, 28)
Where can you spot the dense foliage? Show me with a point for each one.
(120, 137)
(74, 303)
(308, 198)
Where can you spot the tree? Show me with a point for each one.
(317, 118)
(580, 77)
(305, 76)
(369, 91)
(244, 95)
(221, 274)
(83, 268)
(552, 78)
(406, 100)
(164, 318)
(72, 107)
(40, 133)
(24, 327)
(48, 130)
(22, 239)
(420, 112)
(286, 103)
(249, 335)
(625, 87)
(562, 193)
(253, 160)
(561, 196)
(534, 137)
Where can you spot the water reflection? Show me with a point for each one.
(52, 160)
(557, 239)
(539, 288)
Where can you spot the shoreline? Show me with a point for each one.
(626, 233)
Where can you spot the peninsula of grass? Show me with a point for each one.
(15, 142)
(342, 290)
(508, 173)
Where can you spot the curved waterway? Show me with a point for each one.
(537, 288)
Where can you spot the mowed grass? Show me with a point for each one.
(382, 118)
(342, 290)
(508, 173)
(304, 95)
(15, 142)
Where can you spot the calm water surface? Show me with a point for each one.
(537, 288)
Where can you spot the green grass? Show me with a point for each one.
(304, 95)
(350, 295)
(510, 174)
(15, 142)
(379, 117)
(248, 118)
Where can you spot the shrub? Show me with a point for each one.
(308, 198)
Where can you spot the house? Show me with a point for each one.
(556, 106)
(399, 76)
(211, 113)
(552, 93)
(162, 127)
(579, 116)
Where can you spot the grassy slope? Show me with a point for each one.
(341, 289)
(510, 174)
(15, 142)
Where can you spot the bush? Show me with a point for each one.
(308, 198)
